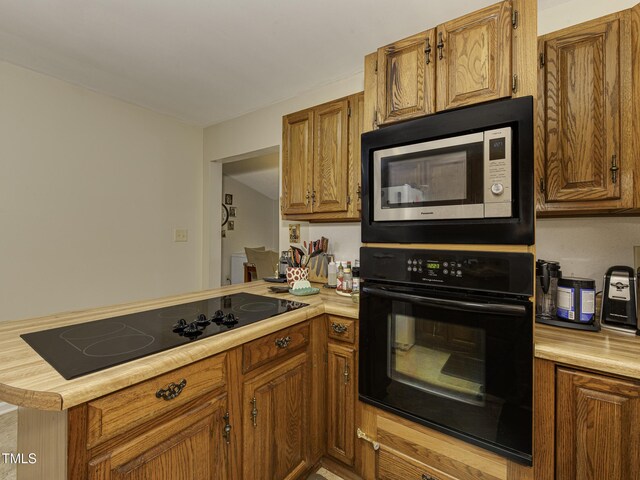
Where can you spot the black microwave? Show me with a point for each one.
(461, 176)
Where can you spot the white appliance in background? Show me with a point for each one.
(405, 332)
(237, 268)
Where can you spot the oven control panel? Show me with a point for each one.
(491, 271)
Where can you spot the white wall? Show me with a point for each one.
(91, 189)
(567, 13)
(262, 130)
(255, 225)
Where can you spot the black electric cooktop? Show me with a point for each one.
(77, 350)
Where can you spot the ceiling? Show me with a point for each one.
(206, 61)
(259, 173)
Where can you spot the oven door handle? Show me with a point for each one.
(461, 305)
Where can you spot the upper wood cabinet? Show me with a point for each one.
(406, 78)
(321, 161)
(585, 125)
(464, 61)
(474, 57)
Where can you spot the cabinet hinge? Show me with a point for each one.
(376, 69)
(348, 199)
(542, 186)
(514, 19)
(542, 60)
(514, 83)
(349, 111)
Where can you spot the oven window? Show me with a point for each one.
(439, 358)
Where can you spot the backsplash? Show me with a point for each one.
(587, 247)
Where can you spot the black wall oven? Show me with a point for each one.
(446, 340)
(461, 176)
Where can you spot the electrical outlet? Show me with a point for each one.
(636, 257)
(180, 235)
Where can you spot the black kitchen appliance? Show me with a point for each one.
(77, 350)
(547, 275)
(446, 340)
(460, 176)
(619, 299)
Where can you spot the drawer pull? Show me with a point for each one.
(428, 477)
(283, 342)
(226, 434)
(172, 390)
(339, 327)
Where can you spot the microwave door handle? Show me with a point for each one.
(461, 305)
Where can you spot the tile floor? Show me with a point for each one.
(8, 442)
(323, 473)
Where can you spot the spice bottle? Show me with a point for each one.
(340, 278)
(347, 282)
(356, 276)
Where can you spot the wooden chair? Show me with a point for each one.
(265, 261)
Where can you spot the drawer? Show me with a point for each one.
(341, 328)
(272, 346)
(394, 465)
(120, 411)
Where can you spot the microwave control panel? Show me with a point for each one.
(497, 172)
(470, 270)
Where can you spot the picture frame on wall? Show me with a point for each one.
(294, 233)
(232, 211)
(230, 225)
(228, 199)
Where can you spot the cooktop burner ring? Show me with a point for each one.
(178, 311)
(93, 330)
(255, 307)
(141, 341)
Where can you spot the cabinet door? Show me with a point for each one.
(406, 78)
(275, 422)
(583, 114)
(597, 427)
(341, 397)
(474, 57)
(297, 158)
(356, 164)
(331, 148)
(190, 446)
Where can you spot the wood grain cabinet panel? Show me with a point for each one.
(341, 399)
(297, 166)
(597, 427)
(275, 345)
(406, 78)
(474, 57)
(330, 157)
(321, 161)
(584, 94)
(190, 446)
(275, 423)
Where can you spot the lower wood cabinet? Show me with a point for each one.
(597, 427)
(275, 423)
(190, 446)
(341, 398)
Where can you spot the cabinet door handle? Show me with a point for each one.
(440, 46)
(306, 198)
(346, 374)
(254, 412)
(339, 328)
(427, 51)
(358, 191)
(226, 433)
(313, 197)
(172, 390)
(614, 168)
(283, 342)
(426, 476)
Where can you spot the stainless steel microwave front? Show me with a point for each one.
(435, 180)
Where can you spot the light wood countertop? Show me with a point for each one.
(606, 351)
(29, 381)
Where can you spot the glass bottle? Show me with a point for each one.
(347, 282)
(356, 276)
(340, 278)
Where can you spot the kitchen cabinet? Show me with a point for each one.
(341, 389)
(594, 419)
(275, 424)
(177, 425)
(321, 161)
(467, 60)
(586, 158)
(403, 449)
